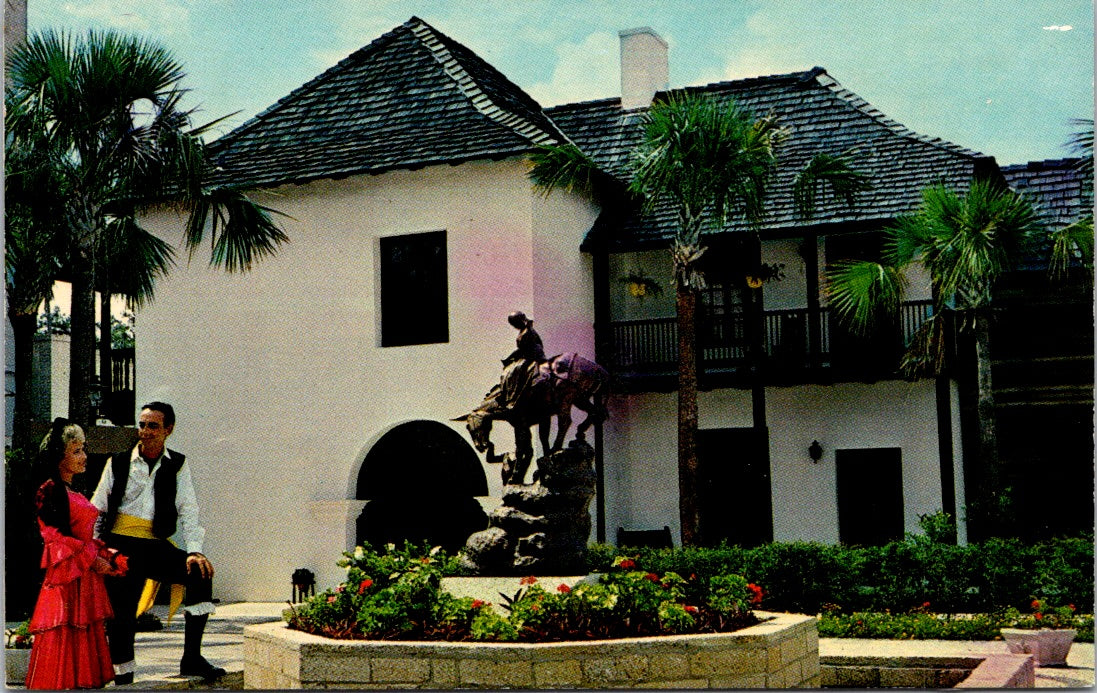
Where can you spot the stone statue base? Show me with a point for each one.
(541, 528)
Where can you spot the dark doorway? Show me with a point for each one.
(421, 479)
(870, 495)
(734, 491)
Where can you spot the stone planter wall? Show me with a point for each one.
(780, 653)
(16, 663)
(959, 671)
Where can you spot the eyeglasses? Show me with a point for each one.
(148, 424)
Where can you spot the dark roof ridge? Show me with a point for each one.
(799, 76)
(1043, 164)
(436, 43)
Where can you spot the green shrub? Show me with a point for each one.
(929, 626)
(804, 576)
(396, 594)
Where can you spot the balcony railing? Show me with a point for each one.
(651, 346)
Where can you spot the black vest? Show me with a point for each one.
(165, 516)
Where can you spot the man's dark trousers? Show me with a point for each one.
(148, 558)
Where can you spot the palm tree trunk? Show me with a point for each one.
(689, 510)
(82, 356)
(105, 362)
(23, 326)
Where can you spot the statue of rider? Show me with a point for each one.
(528, 341)
(520, 368)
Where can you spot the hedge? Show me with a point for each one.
(808, 577)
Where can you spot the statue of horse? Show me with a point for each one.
(532, 392)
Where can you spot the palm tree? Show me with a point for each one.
(964, 243)
(708, 160)
(103, 114)
(32, 259)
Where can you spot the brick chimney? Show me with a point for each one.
(644, 66)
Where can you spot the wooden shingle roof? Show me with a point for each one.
(411, 98)
(820, 116)
(414, 97)
(1059, 189)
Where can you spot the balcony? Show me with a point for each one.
(645, 352)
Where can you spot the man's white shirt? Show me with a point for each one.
(139, 499)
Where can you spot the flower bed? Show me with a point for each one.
(781, 652)
(396, 594)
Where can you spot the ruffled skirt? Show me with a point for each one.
(70, 640)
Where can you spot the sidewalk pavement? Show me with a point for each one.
(158, 652)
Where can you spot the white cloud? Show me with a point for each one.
(583, 72)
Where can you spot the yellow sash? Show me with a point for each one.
(140, 528)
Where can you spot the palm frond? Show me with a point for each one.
(709, 159)
(830, 173)
(136, 259)
(1081, 143)
(967, 240)
(927, 352)
(563, 167)
(861, 292)
(1072, 245)
(241, 230)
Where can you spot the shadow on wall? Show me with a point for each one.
(421, 480)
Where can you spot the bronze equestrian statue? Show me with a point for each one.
(531, 391)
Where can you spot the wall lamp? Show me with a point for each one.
(815, 451)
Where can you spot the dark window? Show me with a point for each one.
(870, 495)
(414, 291)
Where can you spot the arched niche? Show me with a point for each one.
(420, 480)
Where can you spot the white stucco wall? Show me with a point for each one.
(277, 376)
(641, 451)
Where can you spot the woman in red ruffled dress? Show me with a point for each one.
(70, 642)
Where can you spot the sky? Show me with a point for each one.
(1002, 78)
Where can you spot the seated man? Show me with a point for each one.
(145, 495)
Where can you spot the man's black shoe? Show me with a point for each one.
(200, 667)
(123, 679)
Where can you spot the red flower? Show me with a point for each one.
(652, 576)
(627, 563)
(477, 603)
(691, 609)
(535, 607)
(563, 588)
(340, 588)
(1035, 603)
(925, 605)
(1071, 607)
(756, 593)
(121, 564)
(364, 585)
(693, 576)
(528, 580)
(1038, 616)
(331, 598)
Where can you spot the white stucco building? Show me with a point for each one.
(323, 381)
